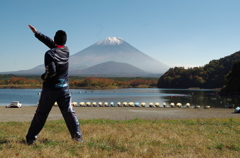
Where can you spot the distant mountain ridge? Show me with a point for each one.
(112, 69)
(114, 50)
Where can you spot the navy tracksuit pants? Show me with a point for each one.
(47, 99)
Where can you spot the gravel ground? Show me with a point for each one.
(25, 114)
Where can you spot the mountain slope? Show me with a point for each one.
(115, 49)
(38, 70)
(113, 69)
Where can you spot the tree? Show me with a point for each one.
(233, 79)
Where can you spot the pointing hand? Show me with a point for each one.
(34, 30)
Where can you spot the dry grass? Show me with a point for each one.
(131, 138)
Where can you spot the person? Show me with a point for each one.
(55, 87)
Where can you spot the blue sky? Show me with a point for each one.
(176, 32)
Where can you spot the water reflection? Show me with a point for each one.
(202, 97)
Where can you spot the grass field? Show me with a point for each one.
(123, 139)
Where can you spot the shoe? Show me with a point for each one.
(30, 142)
(78, 140)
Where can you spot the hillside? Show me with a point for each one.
(112, 69)
(212, 75)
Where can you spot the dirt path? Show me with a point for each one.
(119, 113)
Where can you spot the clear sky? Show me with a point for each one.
(176, 32)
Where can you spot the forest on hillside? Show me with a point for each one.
(212, 75)
(14, 81)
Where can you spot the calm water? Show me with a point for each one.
(30, 97)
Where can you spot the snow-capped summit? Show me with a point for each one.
(110, 41)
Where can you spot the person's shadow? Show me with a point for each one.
(4, 142)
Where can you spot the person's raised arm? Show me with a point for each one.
(45, 39)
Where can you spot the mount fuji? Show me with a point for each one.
(109, 56)
(117, 50)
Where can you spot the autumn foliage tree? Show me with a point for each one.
(92, 82)
(22, 80)
(212, 75)
(80, 82)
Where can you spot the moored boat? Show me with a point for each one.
(14, 104)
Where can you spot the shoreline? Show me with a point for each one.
(26, 113)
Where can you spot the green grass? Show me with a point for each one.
(129, 138)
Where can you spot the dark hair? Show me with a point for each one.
(60, 37)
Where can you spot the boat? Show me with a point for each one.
(237, 110)
(14, 104)
(230, 106)
(112, 104)
(136, 104)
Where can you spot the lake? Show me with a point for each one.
(202, 97)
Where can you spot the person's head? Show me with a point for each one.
(60, 37)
